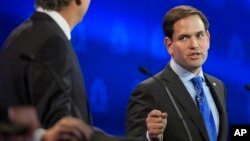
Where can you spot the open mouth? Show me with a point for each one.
(195, 55)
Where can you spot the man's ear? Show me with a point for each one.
(208, 38)
(168, 43)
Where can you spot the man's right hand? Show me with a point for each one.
(156, 122)
(69, 129)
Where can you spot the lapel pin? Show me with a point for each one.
(214, 84)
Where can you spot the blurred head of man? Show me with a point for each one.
(72, 10)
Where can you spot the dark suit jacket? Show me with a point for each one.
(39, 67)
(151, 95)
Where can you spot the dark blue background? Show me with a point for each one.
(118, 36)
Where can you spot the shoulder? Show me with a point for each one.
(212, 78)
(150, 85)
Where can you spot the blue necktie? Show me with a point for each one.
(204, 108)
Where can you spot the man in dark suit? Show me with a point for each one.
(39, 67)
(152, 115)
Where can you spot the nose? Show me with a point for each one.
(194, 43)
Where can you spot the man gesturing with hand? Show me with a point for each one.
(194, 101)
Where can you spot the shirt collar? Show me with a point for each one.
(184, 74)
(58, 19)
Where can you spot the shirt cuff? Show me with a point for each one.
(147, 136)
(38, 134)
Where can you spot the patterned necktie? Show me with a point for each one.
(204, 108)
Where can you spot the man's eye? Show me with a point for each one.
(183, 38)
(200, 35)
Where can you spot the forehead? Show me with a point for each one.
(188, 25)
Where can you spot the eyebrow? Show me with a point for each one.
(199, 32)
(188, 35)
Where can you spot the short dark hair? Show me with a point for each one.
(177, 13)
(56, 5)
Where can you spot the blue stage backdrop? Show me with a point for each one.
(118, 36)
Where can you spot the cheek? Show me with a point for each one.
(205, 48)
(205, 44)
(178, 51)
(206, 53)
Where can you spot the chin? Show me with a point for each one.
(194, 66)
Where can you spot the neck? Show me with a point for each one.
(196, 71)
(70, 15)
(69, 19)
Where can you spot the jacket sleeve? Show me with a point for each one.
(49, 81)
(141, 102)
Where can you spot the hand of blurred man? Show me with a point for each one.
(25, 121)
(25, 116)
(69, 129)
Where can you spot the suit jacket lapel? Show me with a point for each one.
(218, 99)
(215, 91)
(183, 98)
